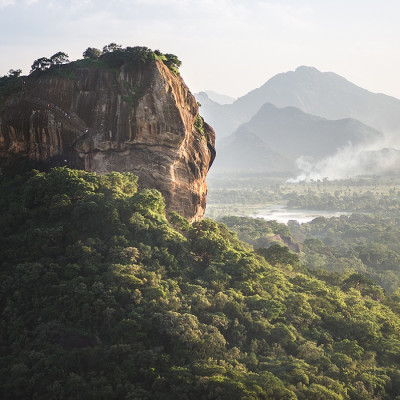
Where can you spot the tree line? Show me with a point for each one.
(112, 55)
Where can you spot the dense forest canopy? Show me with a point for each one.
(358, 243)
(103, 298)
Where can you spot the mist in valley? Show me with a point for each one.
(377, 158)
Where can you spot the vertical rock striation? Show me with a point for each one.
(137, 118)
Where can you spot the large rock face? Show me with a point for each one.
(139, 119)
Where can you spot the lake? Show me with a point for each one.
(282, 214)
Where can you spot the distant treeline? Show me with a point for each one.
(372, 195)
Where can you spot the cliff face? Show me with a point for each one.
(139, 119)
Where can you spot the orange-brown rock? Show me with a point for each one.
(139, 119)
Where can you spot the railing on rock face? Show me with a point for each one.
(70, 117)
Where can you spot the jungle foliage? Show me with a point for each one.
(10, 84)
(357, 243)
(368, 244)
(103, 298)
(112, 56)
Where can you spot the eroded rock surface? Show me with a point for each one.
(139, 119)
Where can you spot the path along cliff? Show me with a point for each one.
(139, 118)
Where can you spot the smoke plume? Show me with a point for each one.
(379, 158)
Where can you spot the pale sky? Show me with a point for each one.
(229, 46)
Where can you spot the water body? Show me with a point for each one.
(282, 214)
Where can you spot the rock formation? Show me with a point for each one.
(139, 118)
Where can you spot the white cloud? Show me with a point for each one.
(5, 3)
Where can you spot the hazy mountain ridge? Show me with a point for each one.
(328, 95)
(291, 131)
(248, 152)
(326, 126)
(324, 94)
(219, 98)
(284, 134)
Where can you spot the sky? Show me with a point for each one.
(229, 46)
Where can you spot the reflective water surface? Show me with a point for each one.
(282, 214)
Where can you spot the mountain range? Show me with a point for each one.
(275, 137)
(325, 94)
(301, 113)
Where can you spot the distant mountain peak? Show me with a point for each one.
(210, 95)
(219, 98)
(304, 68)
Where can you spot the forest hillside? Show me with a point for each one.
(103, 298)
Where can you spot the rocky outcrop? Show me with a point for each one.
(142, 119)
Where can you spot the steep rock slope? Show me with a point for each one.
(138, 118)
